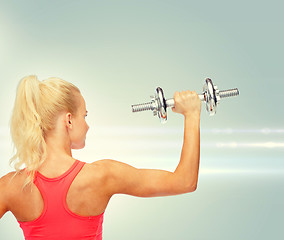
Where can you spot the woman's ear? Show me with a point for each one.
(68, 120)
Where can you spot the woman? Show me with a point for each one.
(59, 197)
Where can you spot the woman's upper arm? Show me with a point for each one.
(125, 179)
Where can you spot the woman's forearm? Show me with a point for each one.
(188, 167)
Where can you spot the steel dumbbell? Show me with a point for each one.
(211, 96)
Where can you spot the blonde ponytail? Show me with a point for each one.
(35, 111)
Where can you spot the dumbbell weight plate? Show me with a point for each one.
(210, 96)
(162, 106)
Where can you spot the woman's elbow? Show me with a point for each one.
(186, 189)
(193, 189)
(190, 188)
(186, 186)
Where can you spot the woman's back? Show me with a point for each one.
(85, 197)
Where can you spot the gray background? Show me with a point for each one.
(117, 53)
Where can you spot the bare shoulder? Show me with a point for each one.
(8, 185)
(108, 166)
(99, 166)
(95, 171)
(11, 181)
(105, 164)
(8, 179)
(113, 170)
(106, 169)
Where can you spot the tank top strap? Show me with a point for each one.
(55, 188)
(71, 174)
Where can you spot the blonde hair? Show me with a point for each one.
(36, 108)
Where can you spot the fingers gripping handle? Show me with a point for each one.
(171, 102)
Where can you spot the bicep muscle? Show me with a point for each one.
(126, 179)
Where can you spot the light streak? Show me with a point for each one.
(250, 145)
(240, 171)
(244, 131)
(153, 131)
(130, 130)
(131, 137)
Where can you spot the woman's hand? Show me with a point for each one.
(187, 103)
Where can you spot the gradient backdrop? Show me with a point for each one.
(117, 53)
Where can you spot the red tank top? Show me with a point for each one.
(57, 222)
